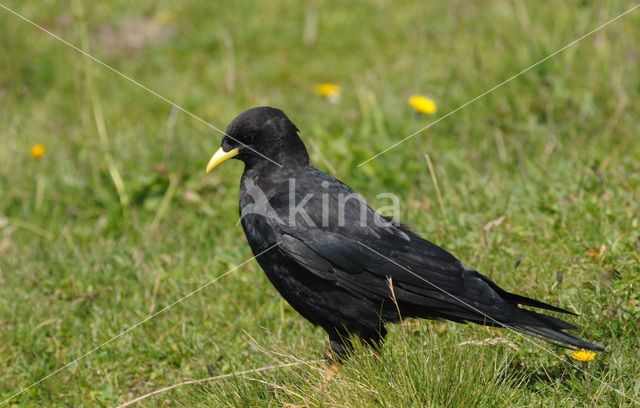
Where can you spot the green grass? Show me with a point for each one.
(553, 155)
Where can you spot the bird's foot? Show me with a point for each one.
(330, 373)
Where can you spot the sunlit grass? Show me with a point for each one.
(535, 179)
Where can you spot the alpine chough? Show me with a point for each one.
(343, 266)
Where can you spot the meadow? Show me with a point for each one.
(116, 220)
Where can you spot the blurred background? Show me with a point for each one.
(106, 215)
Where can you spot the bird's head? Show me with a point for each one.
(261, 135)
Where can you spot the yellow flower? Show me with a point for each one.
(583, 355)
(423, 104)
(329, 91)
(37, 151)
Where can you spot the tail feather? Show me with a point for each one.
(544, 327)
(558, 338)
(541, 326)
(523, 300)
(550, 329)
(535, 319)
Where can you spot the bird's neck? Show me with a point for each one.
(280, 167)
(277, 160)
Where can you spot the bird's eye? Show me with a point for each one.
(229, 144)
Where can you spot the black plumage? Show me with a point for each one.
(346, 268)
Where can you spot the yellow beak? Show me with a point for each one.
(220, 157)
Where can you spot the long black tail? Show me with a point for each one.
(551, 329)
(547, 328)
(544, 327)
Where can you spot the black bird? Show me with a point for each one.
(346, 268)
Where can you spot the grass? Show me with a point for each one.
(540, 181)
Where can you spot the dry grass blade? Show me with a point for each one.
(435, 184)
(98, 113)
(491, 342)
(163, 209)
(214, 378)
(395, 302)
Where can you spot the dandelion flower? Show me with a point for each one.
(329, 91)
(583, 355)
(423, 104)
(37, 151)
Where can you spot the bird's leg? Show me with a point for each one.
(375, 340)
(331, 372)
(337, 349)
(336, 362)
